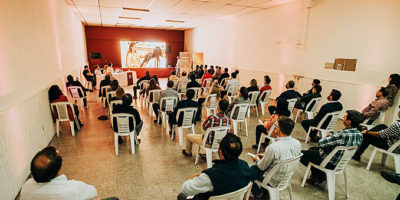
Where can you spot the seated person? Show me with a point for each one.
(212, 70)
(173, 76)
(232, 82)
(392, 88)
(55, 95)
(242, 98)
(118, 95)
(48, 182)
(152, 86)
(137, 86)
(281, 110)
(169, 92)
(105, 82)
(314, 83)
(183, 79)
(253, 86)
(332, 106)
(89, 76)
(97, 71)
(217, 120)
(350, 136)
(380, 136)
(224, 75)
(304, 100)
(193, 82)
(218, 73)
(215, 89)
(200, 73)
(228, 174)
(266, 86)
(290, 93)
(373, 110)
(126, 107)
(114, 85)
(208, 75)
(156, 79)
(110, 68)
(285, 148)
(71, 82)
(187, 103)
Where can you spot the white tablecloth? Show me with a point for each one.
(121, 77)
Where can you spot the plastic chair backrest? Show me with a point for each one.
(212, 99)
(62, 110)
(265, 95)
(175, 82)
(224, 81)
(74, 91)
(196, 92)
(122, 120)
(104, 90)
(236, 195)
(188, 116)
(348, 153)
(332, 123)
(113, 104)
(292, 103)
(288, 166)
(233, 90)
(379, 120)
(182, 88)
(169, 103)
(144, 84)
(394, 146)
(154, 96)
(207, 82)
(253, 97)
(315, 104)
(219, 133)
(110, 94)
(271, 130)
(242, 111)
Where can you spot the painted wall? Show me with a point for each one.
(40, 42)
(293, 40)
(106, 40)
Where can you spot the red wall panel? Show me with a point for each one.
(105, 40)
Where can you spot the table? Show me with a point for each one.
(122, 78)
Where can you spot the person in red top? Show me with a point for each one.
(266, 86)
(206, 76)
(55, 95)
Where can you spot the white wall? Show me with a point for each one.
(292, 40)
(40, 42)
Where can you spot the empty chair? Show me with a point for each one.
(154, 97)
(219, 133)
(61, 110)
(121, 127)
(264, 98)
(104, 94)
(384, 155)
(241, 117)
(253, 101)
(331, 173)
(309, 111)
(236, 195)
(334, 117)
(290, 167)
(167, 104)
(187, 122)
(292, 103)
(181, 90)
(112, 105)
(196, 93)
(263, 136)
(211, 100)
(232, 92)
(370, 124)
(77, 94)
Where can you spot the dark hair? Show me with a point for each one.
(127, 99)
(226, 69)
(85, 67)
(54, 92)
(114, 84)
(170, 84)
(237, 72)
(109, 64)
(231, 147)
(244, 93)
(223, 105)
(184, 73)
(291, 84)
(192, 77)
(267, 79)
(233, 74)
(46, 173)
(152, 84)
(147, 73)
(316, 81)
(108, 77)
(395, 79)
(282, 107)
(212, 66)
(190, 94)
(384, 91)
(209, 70)
(205, 66)
(355, 117)
(335, 94)
(318, 88)
(70, 78)
(155, 78)
(286, 125)
(173, 72)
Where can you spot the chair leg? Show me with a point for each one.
(197, 156)
(262, 108)
(248, 112)
(209, 158)
(397, 164)
(180, 129)
(256, 109)
(71, 123)
(235, 128)
(132, 138)
(297, 115)
(330, 177)
(208, 112)
(323, 133)
(308, 134)
(384, 156)
(116, 143)
(290, 191)
(371, 158)
(173, 132)
(77, 124)
(273, 193)
(259, 142)
(58, 128)
(346, 186)
(306, 175)
(193, 129)
(247, 130)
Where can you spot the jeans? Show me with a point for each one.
(306, 125)
(313, 155)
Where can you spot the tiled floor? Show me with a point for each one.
(158, 168)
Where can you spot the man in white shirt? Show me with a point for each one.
(232, 82)
(169, 92)
(285, 148)
(49, 183)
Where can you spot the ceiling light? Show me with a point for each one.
(136, 9)
(177, 21)
(136, 18)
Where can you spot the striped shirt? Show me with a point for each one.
(347, 137)
(392, 135)
(219, 119)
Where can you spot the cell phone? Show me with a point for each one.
(250, 154)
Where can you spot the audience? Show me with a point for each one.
(137, 86)
(223, 75)
(208, 75)
(285, 148)
(231, 83)
(304, 100)
(350, 136)
(55, 95)
(173, 76)
(380, 136)
(105, 82)
(89, 76)
(332, 106)
(393, 88)
(187, 103)
(372, 111)
(290, 93)
(216, 120)
(281, 110)
(169, 92)
(193, 82)
(242, 98)
(313, 84)
(71, 82)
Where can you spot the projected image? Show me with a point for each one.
(135, 54)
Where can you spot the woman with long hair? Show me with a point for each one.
(253, 86)
(393, 88)
(132, 59)
(152, 86)
(242, 98)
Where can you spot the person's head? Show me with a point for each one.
(382, 92)
(317, 89)
(244, 93)
(315, 82)
(46, 165)
(230, 147)
(70, 78)
(114, 84)
(119, 93)
(127, 99)
(352, 119)
(282, 107)
(85, 67)
(394, 79)
(285, 126)
(189, 94)
(110, 64)
(334, 95)
(108, 76)
(173, 73)
(177, 57)
(147, 73)
(170, 84)
(216, 90)
(184, 73)
(97, 67)
(253, 83)
(209, 70)
(290, 84)
(192, 77)
(237, 72)
(233, 75)
(205, 66)
(226, 70)
(54, 92)
(267, 80)
(212, 66)
(223, 105)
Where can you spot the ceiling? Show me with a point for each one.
(164, 14)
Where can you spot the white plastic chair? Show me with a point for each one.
(175, 83)
(153, 97)
(211, 100)
(379, 120)
(241, 117)
(109, 96)
(166, 104)
(206, 85)
(103, 97)
(232, 92)
(236, 195)
(253, 102)
(334, 117)
(143, 86)
(87, 84)
(112, 104)
(181, 90)
(123, 130)
(310, 114)
(291, 104)
(290, 167)
(187, 122)
(62, 116)
(224, 81)
(263, 136)
(219, 133)
(384, 155)
(196, 93)
(348, 153)
(74, 91)
(266, 94)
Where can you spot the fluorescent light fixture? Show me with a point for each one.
(136, 9)
(176, 21)
(136, 18)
